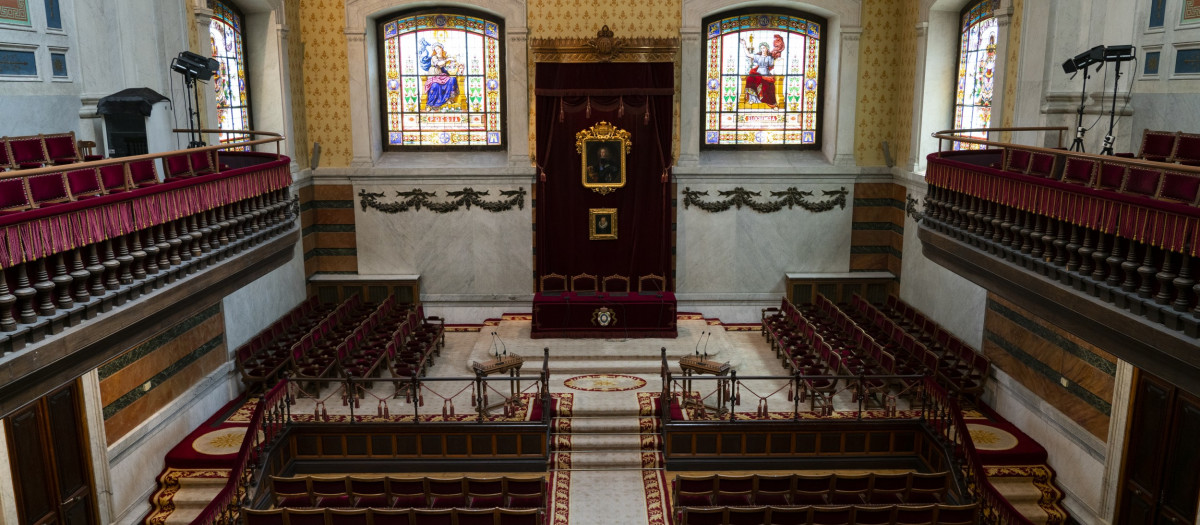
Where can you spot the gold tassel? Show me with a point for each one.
(443, 410)
(379, 409)
(451, 408)
(407, 396)
(357, 402)
(385, 410)
(420, 400)
(324, 414)
(791, 396)
(345, 401)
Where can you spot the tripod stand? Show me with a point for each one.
(194, 136)
(1077, 145)
(1112, 116)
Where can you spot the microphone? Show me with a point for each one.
(706, 346)
(502, 343)
(698, 339)
(495, 348)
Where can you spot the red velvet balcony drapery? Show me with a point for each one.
(633, 97)
(1167, 225)
(33, 234)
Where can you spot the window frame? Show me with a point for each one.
(822, 49)
(249, 107)
(958, 54)
(381, 82)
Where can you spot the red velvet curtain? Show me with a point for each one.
(633, 97)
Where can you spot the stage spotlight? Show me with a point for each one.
(195, 66)
(1118, 53)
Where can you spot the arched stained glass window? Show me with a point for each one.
(442, 81)
(227, 32)
(762, 83)
(976, 63)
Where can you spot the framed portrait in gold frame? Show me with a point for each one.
(602, 149)
(602, 224)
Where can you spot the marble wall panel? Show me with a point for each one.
(255, 306)
(953, 301)
(747, 252)
(473, 253)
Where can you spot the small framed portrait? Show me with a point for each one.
(602, 224)
(602, 150)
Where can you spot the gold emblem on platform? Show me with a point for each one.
(602, 149)
(604, 317)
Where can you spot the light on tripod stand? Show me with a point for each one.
(1072, 67)
(1116, 54)
(194, 67)
(1084, 59)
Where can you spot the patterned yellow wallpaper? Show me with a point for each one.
(886, 64)
(326, 79)
(295, 45)
(1010, 68)
(582, 18)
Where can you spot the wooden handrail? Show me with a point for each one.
(272, 138)
(952, 135)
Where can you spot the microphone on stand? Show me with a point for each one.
(502, 344)
(698, 339)
(495, 348)
(706, 346)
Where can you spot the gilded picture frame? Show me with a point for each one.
(602, 224)
(602, 150)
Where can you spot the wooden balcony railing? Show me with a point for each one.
(72, 253)
(1118, 228)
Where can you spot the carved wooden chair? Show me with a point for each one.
(1157, 145)
(552, 282)
(657, 282)
(615, 284)
(584, 282)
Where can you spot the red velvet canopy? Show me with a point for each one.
(636, 98)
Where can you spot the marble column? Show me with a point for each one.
(1003, 17)
(360, 113)
(93, 415)
(914, 162)
(517, 82)
(202, 17)
(691, 72)
(1115, 455)
(847, 96)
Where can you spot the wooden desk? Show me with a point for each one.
(509, 363)
(694, 364)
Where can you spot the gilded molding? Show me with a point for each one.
(604, 48)
(416, 198)
(790, 197)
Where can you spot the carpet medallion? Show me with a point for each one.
(221, 442)
(605, 383)
(987, 437)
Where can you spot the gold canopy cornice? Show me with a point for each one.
(604, 48)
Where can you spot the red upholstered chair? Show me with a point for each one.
(348, 517)
(48, 188)
(915, 514)
(1016, 160)
(432, 517)
(330, 492)
(747, 516)
(520, 516)
(729, 483)
(14, 195)
(833, 516)
(1079, 171)
(143, 173)
(789, 515)
(702, 516)
(652, 283)
(553, 283)
(114, 178)
(873, 515)
(369, 492)
(61, 149)
(525, 485)
(696, 484)
(615, 284)
(475, 516)
(27, 152)
(84, 183)
(1187, 149)
(887, 489)
(850, 489)
(769, 483)
(1142, 181)
(263, 517)
(178, 166)
(927, 487)
(958, 514)
(1157, 145)
(1110, 176)
(485, 486)
(291, 492)
(307, 516)
(1043, 165)
(390, 516)
(202, 162)
(584, 282)
(5, 161)
(1180, 187)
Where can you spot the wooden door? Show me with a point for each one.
(1161, 478)
(47, 447)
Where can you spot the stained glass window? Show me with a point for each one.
(442, 81)
(762, 82)
(226, 32)
(976, 64)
